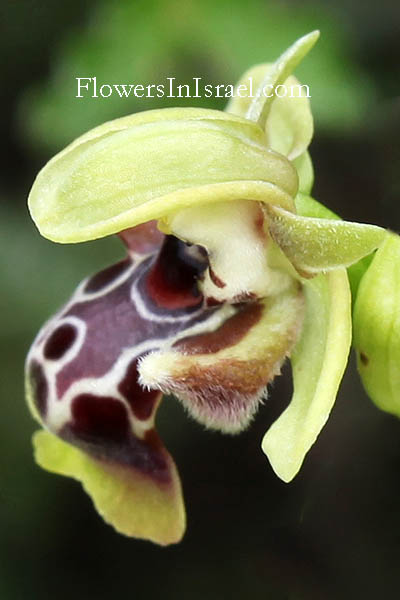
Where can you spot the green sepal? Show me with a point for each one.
(319, 244)
(289, 126)
(259, 106)
(309, 207)
(318, 363)
(146, 166)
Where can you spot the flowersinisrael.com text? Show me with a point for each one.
(88, 87)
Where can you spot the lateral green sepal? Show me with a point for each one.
(314, 244)
(318, 362)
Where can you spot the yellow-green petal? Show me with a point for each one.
(377, 327)
(259, 107)
(135, 505)
(246, 88)
(314, 244)
(289, 126)
(318, 362)
(288, 118)
(116, 179)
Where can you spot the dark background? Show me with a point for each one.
(335, 531)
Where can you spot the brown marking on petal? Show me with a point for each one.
(39, 385)
(107, 276)
(364, 359)
(100, 426)
(142, 402)
(142, 504)
(60, 341)
(114, 324)
(210, 302)
(142, 239)
(259, 224)
(172, 281)
(229, 334)
(147, 462)
(153, 440)
(216, 280)
(99, 418)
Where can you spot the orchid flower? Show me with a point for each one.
(231, 267)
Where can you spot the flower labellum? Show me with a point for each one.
(231, 267)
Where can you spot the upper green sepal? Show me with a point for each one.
(148, 165)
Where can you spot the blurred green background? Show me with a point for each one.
(335, 531)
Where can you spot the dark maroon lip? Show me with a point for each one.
(105, 311)
(90, 356)
(172, 281)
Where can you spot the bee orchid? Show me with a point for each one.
(231, 267)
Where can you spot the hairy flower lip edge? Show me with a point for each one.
(198, 378)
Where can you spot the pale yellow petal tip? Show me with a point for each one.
(303, 45)
(133, 504)
(315, 34)
(283, 465)
(309, 39)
